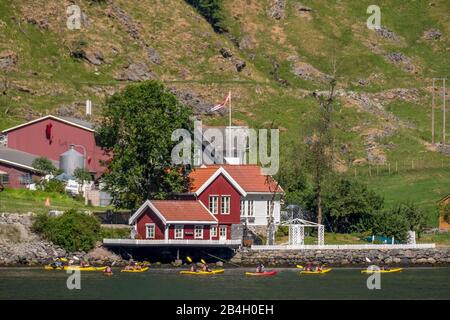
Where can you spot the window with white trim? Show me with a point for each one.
(213, 231)
(4, 178)
(198, 232)
(150, 230)
(251, 208)
(223, 232)
(213, 204)
(225, 205)
(178, 232)
(243, 203)
(269, 207)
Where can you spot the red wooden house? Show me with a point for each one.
(50, 136)
(221, 196)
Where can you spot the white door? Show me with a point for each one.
(223, 233)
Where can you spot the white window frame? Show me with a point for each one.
(196, 228)
(211, 233)
(213, 204)
(146, 230)
(251, 208)
(178, 227)
(269, 204)
(220, 232)
(243, 208)
(222, 211)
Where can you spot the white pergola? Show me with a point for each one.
(297, 231)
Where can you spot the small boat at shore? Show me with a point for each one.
(53, 268)
(382, 271)
(84, 268)
(135, 270)
(262, 274)
(204, 273)
(323, 271)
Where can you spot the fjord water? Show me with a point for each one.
(412, 283)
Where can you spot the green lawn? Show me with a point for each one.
(22, 200)
(357, 238)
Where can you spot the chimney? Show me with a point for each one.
(88, 107)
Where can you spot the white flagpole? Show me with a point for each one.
(229, 129)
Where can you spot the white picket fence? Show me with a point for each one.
(345, 246)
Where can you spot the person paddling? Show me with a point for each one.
(194, 268)
(108, 271)
(260, 268)
(206, 268)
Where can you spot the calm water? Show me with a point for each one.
(413, 283)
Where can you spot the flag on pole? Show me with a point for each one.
(222, 104)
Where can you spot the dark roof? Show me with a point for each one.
(19, 158)
(79, 122)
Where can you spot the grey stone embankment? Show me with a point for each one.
(345, 258)
(19, 246)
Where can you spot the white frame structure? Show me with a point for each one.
(297, 231)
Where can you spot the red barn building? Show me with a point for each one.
(50, 136)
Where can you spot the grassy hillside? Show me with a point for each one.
(384, 108)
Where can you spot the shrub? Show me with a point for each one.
(74, 231)
(53, 185)
(114, 233)
(44, 165)
(391, 223)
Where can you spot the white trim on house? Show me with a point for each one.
(15, 164)
(142, 208)
(211, 235)
(177, 227)
(229, 204)
(212, 215)
(196, 228)
(219, 171)
(217, 202)
(48, 117)
(150, 205)
(146, 230)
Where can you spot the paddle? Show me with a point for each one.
(189, 259)
(202, 261)
(299, 266)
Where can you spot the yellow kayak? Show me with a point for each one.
(53, 268)
(382, 271)
(203, 272)
(135, 271)
(84, 268)
(316, 272)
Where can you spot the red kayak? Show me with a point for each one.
(262, 274)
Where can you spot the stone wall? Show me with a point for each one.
(286, 258)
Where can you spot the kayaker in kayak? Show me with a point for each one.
(309, 268)
(260, 268)
(108, 270)
(194, 268)
(206, 268)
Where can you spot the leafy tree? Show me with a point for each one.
(320, 159)
(137, 126)
(349, 206)
(415, 216)
(44, 165)
(74, 231)
(391, 223)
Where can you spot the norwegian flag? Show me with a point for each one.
(222, 104)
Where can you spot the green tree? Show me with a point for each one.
(73, 230)
(44, 165)
(320, 156)
(137, 126)
(349, 206)
(391, 223)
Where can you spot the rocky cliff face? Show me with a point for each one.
(20, 246)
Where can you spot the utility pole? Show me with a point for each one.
(443, 114)
(432, 114)
(444, 110)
